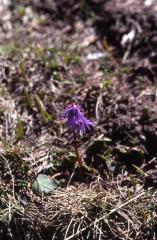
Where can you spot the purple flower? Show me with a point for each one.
(76, 120)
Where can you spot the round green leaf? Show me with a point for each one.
(44, 184)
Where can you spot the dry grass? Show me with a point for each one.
(103, 210)
(95, 213)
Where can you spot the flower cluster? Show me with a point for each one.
(76, 120)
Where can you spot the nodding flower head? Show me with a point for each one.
(76, 120)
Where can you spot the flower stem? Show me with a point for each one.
(78, 159)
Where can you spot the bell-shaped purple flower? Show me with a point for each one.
(76, 120)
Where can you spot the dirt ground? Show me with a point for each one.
(100, 54)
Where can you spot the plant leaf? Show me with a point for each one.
(44, 184)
